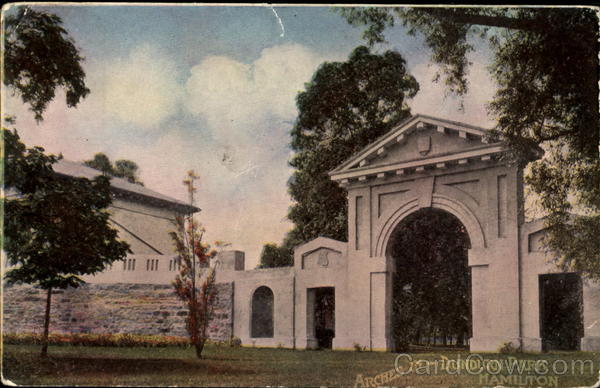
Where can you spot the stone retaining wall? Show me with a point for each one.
(150, 309)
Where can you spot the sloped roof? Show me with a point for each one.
(362, 161)
(122, 187)
(402, 128)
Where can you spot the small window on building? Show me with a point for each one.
(174, 264)
(262, 313)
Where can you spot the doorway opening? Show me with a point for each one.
(262, 313)
(431, 282)
(321, 315)
(561, 313)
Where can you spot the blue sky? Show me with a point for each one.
(212, 88)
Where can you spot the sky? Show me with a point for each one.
(212, 88)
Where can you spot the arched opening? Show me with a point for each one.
(431, 282)
(262, 313)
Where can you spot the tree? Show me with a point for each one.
(345, 107)
(122, 168)
(273, 255)
(127, 169)
(47, 212)
(39, 57)
(546, 68)
(102, 163)
(194, 257)
(57, 228)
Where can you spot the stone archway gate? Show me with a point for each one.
(429, 162)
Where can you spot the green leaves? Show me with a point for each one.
(57, 228)
(545, 63)
(569, 190)
(548, 81)
(122, 168)
(26, 169)
(276, 256)
(346, 106)
(376, 20)
(39, 57)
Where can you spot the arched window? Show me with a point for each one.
(262, 313)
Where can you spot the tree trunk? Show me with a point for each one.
(429, 334)
(46, 324)
(418, 335)
(460, 340)
(199, 347)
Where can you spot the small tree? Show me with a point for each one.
(57, 228)
(273, 256)
(194, 258)
(122, 168)
(101, 162)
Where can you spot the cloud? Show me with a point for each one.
(232, 129)
(238, 99)
(246, 111)
(434, 100)
(128, 96)
(229, 121)
(76, 132)
(142, 89)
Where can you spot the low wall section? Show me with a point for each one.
(149, 309)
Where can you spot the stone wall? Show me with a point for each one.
(150, 309)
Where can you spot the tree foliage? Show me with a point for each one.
(273, 255)
(102, 163)
(122, 168)
(127, 169)
(195, 268)
(545, 63)
(431, 284)
(56, 228)
(345, 107)
(39, 57)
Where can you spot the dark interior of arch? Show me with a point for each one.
(431, 301)
(262, 313)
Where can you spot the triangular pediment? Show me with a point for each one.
(419, 141)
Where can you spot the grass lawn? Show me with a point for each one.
(226, 366)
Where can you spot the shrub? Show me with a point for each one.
(85, 339)
(235, 342)
(508, 347)
(358, 347)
